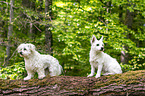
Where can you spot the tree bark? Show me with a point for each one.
(129, 22)
(48, 33)
(28, 4)
(10, 30)
(31, 5)
(127, 84)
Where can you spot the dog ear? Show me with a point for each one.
(31, 46)
(101, 38)
(20, 47)
(93, 39)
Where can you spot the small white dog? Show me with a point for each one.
(35, 62)
(101, 60)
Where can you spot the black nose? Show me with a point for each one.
(102, 48)
(21, 53)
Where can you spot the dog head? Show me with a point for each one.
(97, 45)
(25, 50)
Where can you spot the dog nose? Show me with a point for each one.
(102, 48)
(21, 53)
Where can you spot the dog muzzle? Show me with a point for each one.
(102, 49)
(21, 53)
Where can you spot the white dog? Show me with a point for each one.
(35, 62)
(101, 60)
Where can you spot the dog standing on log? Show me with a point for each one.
(35, 62)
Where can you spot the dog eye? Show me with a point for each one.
(97, 45)
(25, 49)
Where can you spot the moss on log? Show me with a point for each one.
(126, 84)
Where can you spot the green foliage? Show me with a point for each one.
(73, 24)
(16, 71)
(126, 67)
(77, 22)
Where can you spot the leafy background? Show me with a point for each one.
(73, 24)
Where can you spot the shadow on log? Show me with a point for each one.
(131, 83)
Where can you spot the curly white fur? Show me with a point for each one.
(101, 60)
(35, 62)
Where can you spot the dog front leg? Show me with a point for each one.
(30, 75)
(41, 73)
(99, 71)
(92, 71)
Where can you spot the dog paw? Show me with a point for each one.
(108, 73)
(90, 75)
(97, 76)
(41, 77)
(27, 78)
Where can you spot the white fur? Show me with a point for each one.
(98, 59)
(35, 62)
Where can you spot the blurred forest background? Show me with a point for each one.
(63, 28)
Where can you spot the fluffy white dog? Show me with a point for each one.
(35, 62)
(101, 60)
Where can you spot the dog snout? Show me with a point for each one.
(21, 53)
(102, 48)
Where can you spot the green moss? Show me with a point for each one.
(78, 83)
(132, 82)
(130, 77)
(10, 84)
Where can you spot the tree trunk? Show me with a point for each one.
(28, 3)
(31, 5)
(48, 33)
(31, 30)
(131, 83)
(10, 30)
(128, 21)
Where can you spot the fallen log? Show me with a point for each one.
(131, 83)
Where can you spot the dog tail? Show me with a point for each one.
(60, 70)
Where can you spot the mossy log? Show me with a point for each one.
(131, 83)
